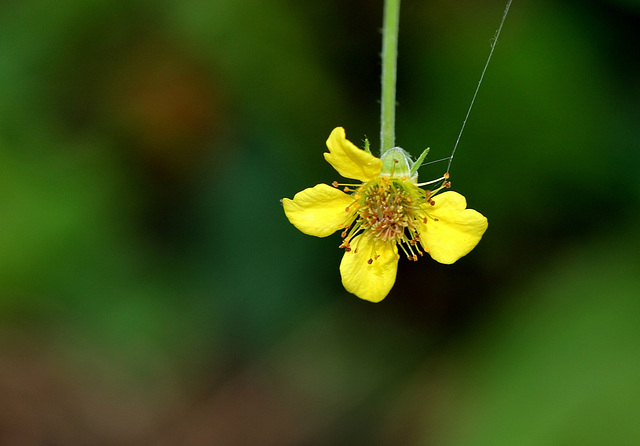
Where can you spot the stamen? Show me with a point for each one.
(336, 184)
(387, 210)
(443, 177)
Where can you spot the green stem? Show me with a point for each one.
(389, 61)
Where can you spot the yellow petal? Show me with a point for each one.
(350, 161)
(318, 210)
(369, 281)
(451, 231)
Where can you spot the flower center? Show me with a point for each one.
(386, 211)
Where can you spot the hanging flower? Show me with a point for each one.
(387, 210)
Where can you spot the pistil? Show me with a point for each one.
(386, 210)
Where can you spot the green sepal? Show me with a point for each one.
(416, 165)
(396, 163)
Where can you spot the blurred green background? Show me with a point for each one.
(153, 293)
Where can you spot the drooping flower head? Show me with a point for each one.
(386, 213)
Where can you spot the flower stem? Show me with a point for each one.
(389, 62)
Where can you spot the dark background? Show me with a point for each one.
(153, 293)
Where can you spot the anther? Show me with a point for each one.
(370, 261)
(335, 184)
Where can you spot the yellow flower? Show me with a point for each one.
(387, 210)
